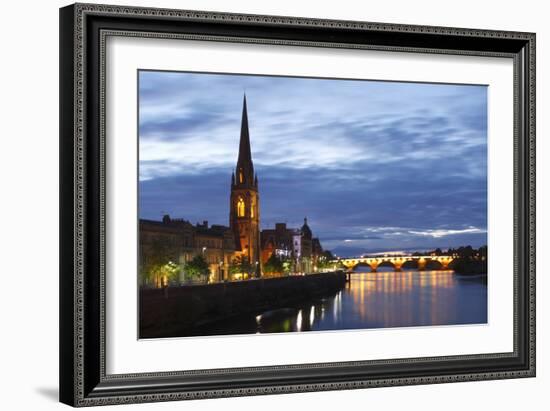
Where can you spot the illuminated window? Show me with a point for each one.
(252, 210)
(241, 175)
(240, 207)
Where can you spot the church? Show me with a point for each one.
(296, 245)
(244, 205)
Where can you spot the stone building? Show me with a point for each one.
(177, 241)
(217, 244)
(278, 241)
(296, 245)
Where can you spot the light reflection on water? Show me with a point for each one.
(377, 300)
(412, 298)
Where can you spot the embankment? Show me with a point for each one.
(172, 311)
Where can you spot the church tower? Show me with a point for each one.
(244, 210)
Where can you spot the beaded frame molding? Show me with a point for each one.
(83, 32)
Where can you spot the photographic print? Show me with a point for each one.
(233, 185)
(272, 204)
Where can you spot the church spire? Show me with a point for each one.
(244, 202)
(245, 168)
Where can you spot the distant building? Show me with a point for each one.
(217, 244)
(294, 244)
(160, 243)
(316, 252)
(278, 241)
(177, 241)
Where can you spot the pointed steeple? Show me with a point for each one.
(245, 168)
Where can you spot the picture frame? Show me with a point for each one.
(84, 30)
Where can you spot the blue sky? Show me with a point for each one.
(373, 165)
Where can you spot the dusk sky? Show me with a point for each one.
(374, 166)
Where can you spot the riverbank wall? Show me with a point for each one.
(172, 311)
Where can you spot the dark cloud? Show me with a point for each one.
(173, 128)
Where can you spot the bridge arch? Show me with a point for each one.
(410, 264)
(362, 264)
(434, 265)
(388, 264)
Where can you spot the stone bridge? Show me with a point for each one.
(396, 261)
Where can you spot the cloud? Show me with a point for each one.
(382, 164)
(295, 122)
(444, 233)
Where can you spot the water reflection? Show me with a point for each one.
(376, 300)
(391, 299)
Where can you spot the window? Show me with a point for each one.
(241, 178)
(252, 209)
(240, 207)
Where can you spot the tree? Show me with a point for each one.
(273, 265)
(470, 261)
(240, 265)
(287, 266)
(197, 267)
(162, 274)
(483, 252)
(323, 262)
(157, 267)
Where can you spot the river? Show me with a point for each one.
(376, 300)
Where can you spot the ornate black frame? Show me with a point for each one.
(83, 30)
